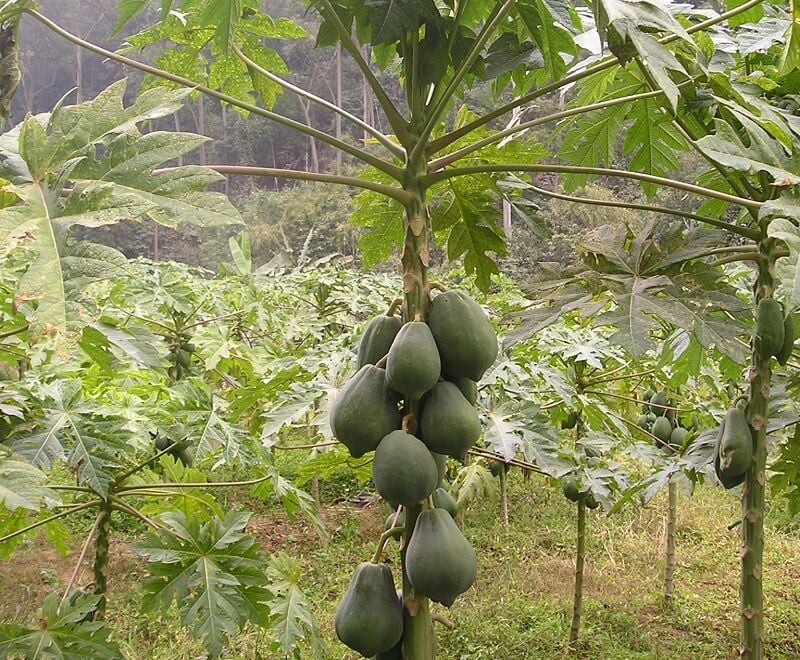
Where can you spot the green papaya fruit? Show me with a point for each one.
(189, 347)
(783, 355)
(591, 502)
(651, 418)
(498, 467)
(646, 396)
(662, 429)
(177, 450)
(364, 411)
(442, 499)
(658, 402)
(413, 365)
(369, 618)
(441, 466)
(448, 423)
(570, 421)
(440, 562)
(466, 340)
(679, 436)
(184, 359)
(469, 388)
(735, 444)
(643, 421)
(377, 338)
(403, 470)
(769, 328)
(395, 653)
(570, 489)
(727, 481)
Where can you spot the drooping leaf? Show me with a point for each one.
(628, 26)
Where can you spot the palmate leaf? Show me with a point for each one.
(628, 25)
(787, 269)
(466, 213)
(653, 141)
(762, 153)
(77, 431)
(474, 482)
(647, 279)
(547, 23)
(213, 571)
(221, 23)
(22, 485)
(292, 618)
(95, 153)
(63, 633)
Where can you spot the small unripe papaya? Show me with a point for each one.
(769, 328)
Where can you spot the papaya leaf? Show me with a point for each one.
(292, 618)
(474, 482)
(22, 485)
(212, 570)
(627, 26)
(549, 31)
(762, 154)
(293, 499)
(95, 152)
(66, 631)
(76, 430)
(787, 269)
(646, 279)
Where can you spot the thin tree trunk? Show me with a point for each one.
(580, 551)
(504, 496)
(751, 591)
(669, 568)
(78, 75)
(102, 541)
(312, 143)
(201, 128)
(418, 636)
(338, 118)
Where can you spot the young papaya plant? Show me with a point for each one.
(439, 168)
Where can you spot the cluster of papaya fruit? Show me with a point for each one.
(774, 331)
(658, 418)
(412, 403)
(181, 350)
(571, 489)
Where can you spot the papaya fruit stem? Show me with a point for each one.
(447, 623)
(397, 303)
(394, 532)
(438, 286)
(739, 399)
(381, 364)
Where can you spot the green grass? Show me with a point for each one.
(521, 604)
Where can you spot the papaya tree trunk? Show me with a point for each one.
(100, 567)
(418, 636)
(751, 590)
(504, 496)
(580, 552)
(672, 517)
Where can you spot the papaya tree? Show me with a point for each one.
(671, 82)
